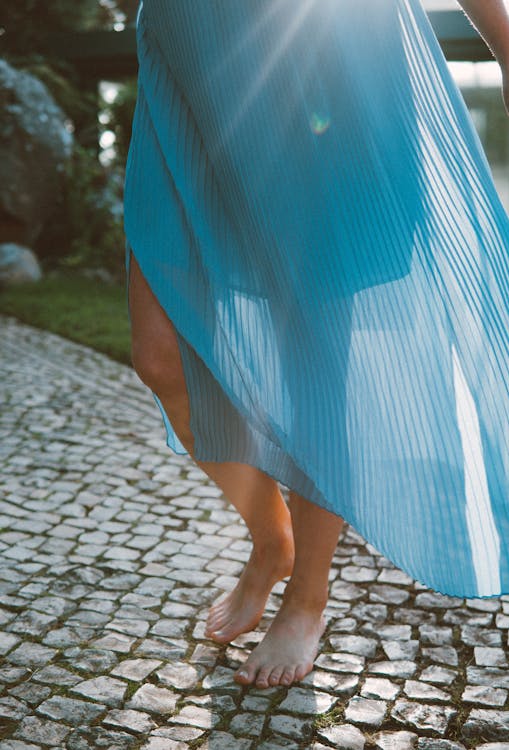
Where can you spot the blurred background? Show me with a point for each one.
(67, 95)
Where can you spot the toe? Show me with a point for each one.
(245, 674)
(288, 676)
(302, 670)
(216, 622)
(218, 606)
(262, 678)
(275, 675)
(217, 611)
(221, 636)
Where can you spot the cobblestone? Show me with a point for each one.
(344, 736)
(111, 550)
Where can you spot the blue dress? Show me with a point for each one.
(309, 201)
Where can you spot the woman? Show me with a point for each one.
(318, 275)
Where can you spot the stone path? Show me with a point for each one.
(111, 549)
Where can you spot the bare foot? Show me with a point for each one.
(288, 651)
(241, 609)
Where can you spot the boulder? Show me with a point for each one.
(18, 264)
(35, 144)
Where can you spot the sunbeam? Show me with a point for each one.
(293, 24)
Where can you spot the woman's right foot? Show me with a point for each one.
(241, 609)
(289, 648)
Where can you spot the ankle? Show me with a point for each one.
(301, 596)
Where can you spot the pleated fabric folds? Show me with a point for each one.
(309, 201)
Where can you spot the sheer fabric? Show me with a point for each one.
(311, 205)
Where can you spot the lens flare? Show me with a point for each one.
(319, 122)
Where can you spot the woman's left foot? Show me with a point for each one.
(289, 649)
(240, 610)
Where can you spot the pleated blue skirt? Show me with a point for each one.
(309, 201)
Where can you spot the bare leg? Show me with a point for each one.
(290, 645)
(257, 497)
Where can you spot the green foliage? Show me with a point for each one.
(84, 231)
(84, 310)
(86, 228)
(27, 22)
(120, 114)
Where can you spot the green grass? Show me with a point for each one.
(85, 310)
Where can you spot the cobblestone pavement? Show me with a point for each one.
(112, 548)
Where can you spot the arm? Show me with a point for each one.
(491, 19)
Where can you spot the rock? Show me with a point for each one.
(221, 680)
(307, 702)
(414, 616)
(486, 695)
(423, 716)
(437, 636)
(344, 737)
(98, 738)
(490, 676)
(433, 599)
(354, 644)
(178, 675)
(442, 654)
(395, 650)
(136, 669)
(396, 668)
(153, 699)
(227, 741)
(486, 656)
(341, 662)
(394, 632)
(29, 654)
(473, 636)
(51, 733)
(486, 724)
(423, 691)
(135, 721)
(484, 605)
(395, 740)
(30, 692)
(251, 724)
(387, 594)
(365, 711)
(435, 673)
(12, 708)
(55, 674)
(35, 144)
(111, 642)
(290, 726)
(70, 710)
(363, 610)
(8, 641)
(357, 574)
(343, 684)
(345, 591)
(196, 717)
(465, 617)
(426, 743)
(106, 689)
(379, 687)
(178, 733)
(18, 264)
